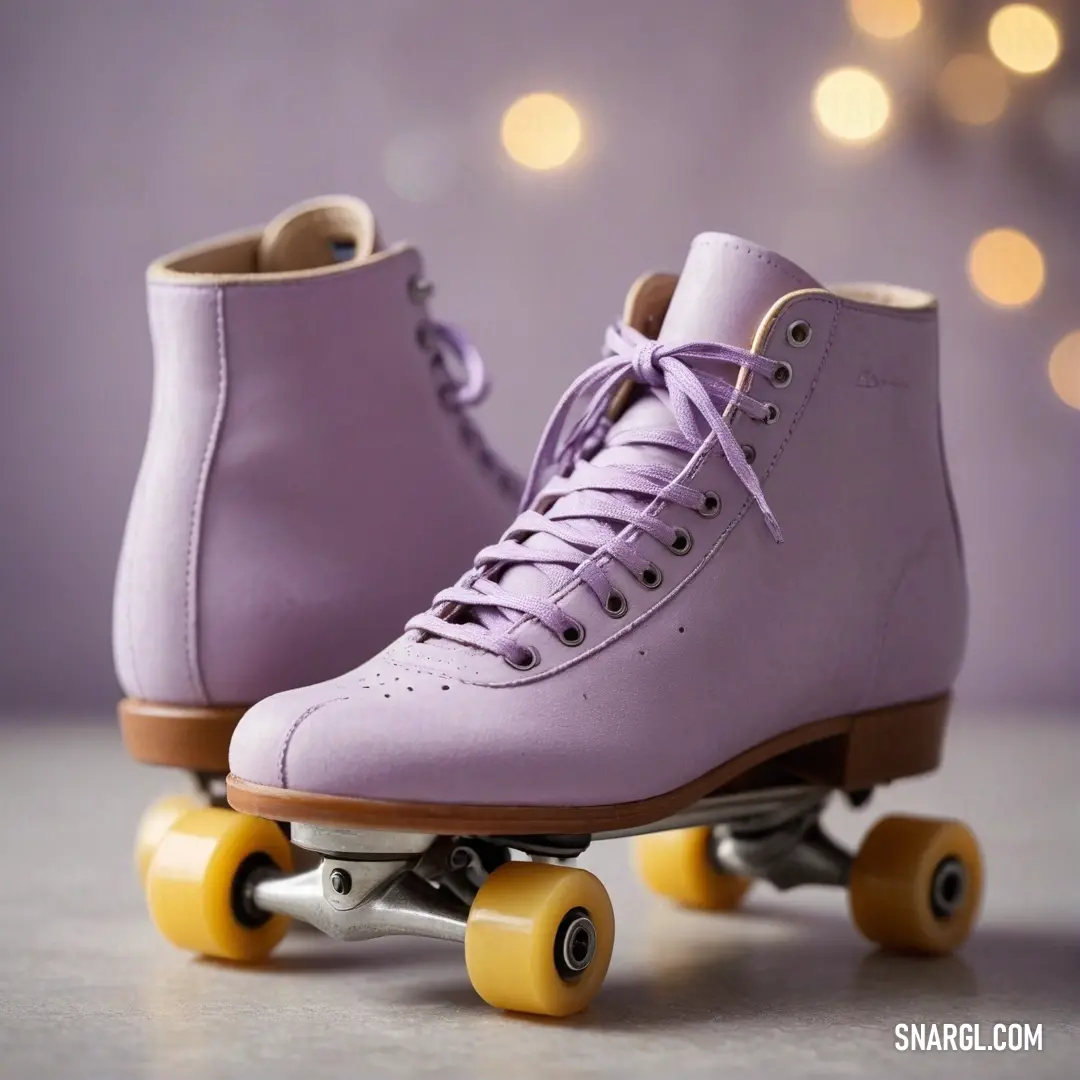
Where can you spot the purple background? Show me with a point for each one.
(130, 128)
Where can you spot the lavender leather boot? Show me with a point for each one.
(269, 543)
(735, 588)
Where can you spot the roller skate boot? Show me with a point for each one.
(309, 439)
(735, 590)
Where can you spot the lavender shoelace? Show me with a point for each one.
(586, 501)
(473, 387)
(463, 389)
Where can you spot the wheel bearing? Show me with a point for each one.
(948, 886)
(575, 944)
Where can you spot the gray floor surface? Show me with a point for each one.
(786, 988)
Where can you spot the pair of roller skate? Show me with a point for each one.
(734, 588)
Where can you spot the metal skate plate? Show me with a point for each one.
(757, 807)
(359, 843)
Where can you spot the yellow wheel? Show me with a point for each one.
(678, 865)
(916, 884)
(156, 821)
(194, 884)
(539, 938)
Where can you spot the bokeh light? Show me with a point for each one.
(541, 131)
(973, 89)
(885, 18)
(851, 104)
(1065, 369)
(1006, 267)
(1024, 38)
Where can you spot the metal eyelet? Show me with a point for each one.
(420, 289)
(772, 413)
(749, 453)
(615, 604)
(532, 658)
(651, 577)
(710, 505)
(573, 635)
(799, 333)
(682, 543)
(782, 375)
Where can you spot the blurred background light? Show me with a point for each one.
(419, 166)
(851, 104)
(973, 89)
(885, 18)
(1006, 267)
(541, 131)
(1065, 369)
(1024, 38)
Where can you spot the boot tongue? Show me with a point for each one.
(726, 288)
(319, 232)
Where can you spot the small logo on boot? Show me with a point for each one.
(869, 381)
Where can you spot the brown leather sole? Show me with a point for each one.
(850, 753)
(183, 737)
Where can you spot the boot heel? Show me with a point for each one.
(180, 736)
(878, 746)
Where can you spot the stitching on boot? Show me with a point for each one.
(920, 553)
(427, 669)
(881, 312)
(292, 731)
(191, 573)
(760, 256)
(129, 574)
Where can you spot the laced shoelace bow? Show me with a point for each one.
(583, 499)
(463, 384)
